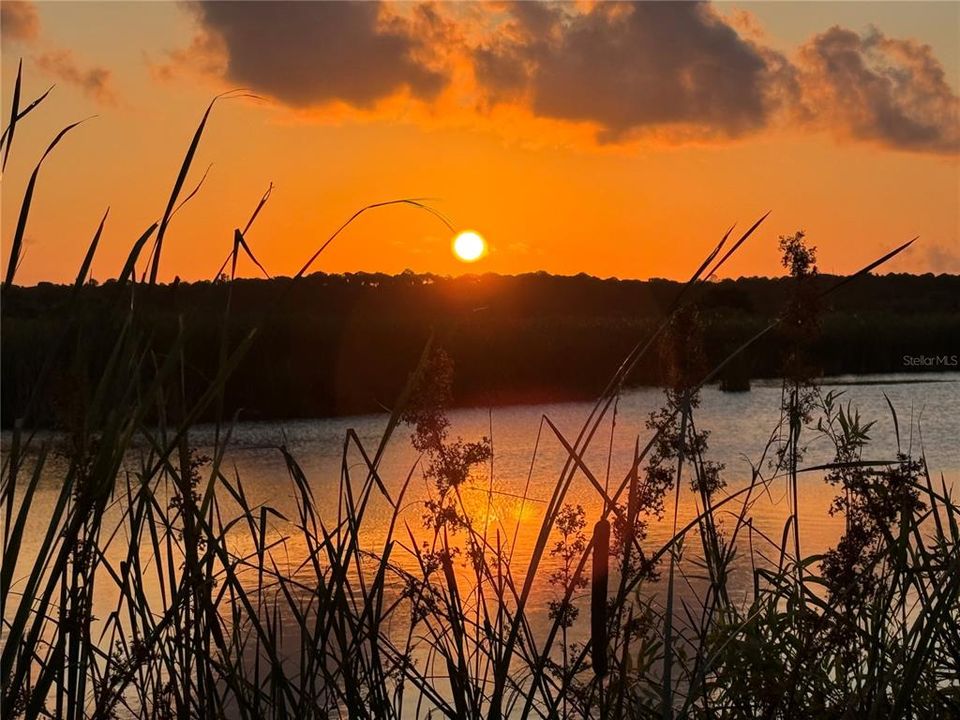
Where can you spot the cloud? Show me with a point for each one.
(95, 82)
(632, 66)
(875, 88)
(19, 21)
(943, 259)
(309, 53)
(612, 72)
(206, 56)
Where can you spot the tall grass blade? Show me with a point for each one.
(91, 251)
(17, 244)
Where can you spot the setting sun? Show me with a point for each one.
(469, 246)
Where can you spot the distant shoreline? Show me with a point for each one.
(340, 345)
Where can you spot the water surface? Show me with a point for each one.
(508, 497)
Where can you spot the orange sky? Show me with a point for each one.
(613, 140)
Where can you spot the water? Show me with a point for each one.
(739, 425)
(509, 496)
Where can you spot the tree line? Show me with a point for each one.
(330, 345)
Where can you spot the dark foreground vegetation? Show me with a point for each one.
(209, 614)
(344, 344)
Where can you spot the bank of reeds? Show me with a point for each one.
(204, 621)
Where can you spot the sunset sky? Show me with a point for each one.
(612, 139)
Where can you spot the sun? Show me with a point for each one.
(469, 246)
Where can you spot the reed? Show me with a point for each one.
(211, 615)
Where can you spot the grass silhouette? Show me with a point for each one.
(206, 622)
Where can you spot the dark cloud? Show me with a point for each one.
(632, 66)
(308, 53)
(679, 70)
(872, 87)
(95, 82)
(18, 20)
(501, 71)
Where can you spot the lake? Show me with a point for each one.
(509, 495)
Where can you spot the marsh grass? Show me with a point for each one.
(208, 619)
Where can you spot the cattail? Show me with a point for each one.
(598, 604)
(633, 501)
